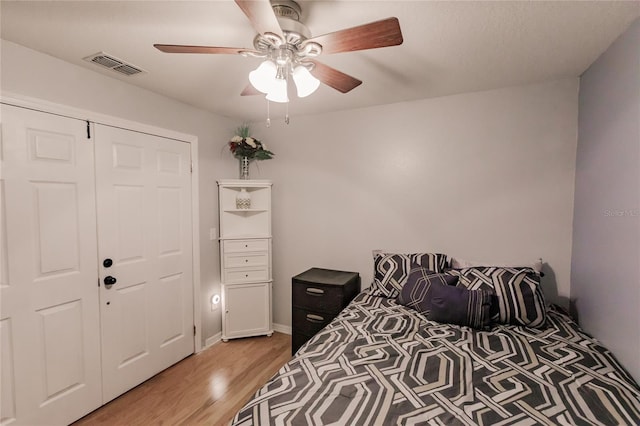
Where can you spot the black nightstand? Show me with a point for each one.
(318, 295)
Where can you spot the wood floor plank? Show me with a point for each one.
(206, 388)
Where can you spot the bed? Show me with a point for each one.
(386, 361)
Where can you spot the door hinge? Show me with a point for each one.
(88, 130)
(192, 167)
(194, 330)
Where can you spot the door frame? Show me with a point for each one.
(95, 117)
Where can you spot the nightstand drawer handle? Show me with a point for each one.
(315, 291)
(314, 318)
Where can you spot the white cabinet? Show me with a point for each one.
(245, 257)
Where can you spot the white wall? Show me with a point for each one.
(485, 176)
(32, 74)
(605, 273)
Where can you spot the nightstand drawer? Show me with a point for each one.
(241, 275)
(309, 322)
(239, 260)
(235, 246)
(317, 297)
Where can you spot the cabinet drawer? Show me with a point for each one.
(239, 260)
(236, 246)
(317, 298)
(241, 275)
(309, 322)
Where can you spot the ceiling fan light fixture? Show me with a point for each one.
(278, 92)
(287, 47)
(306, 84)
(263, 77)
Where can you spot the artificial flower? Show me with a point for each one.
(242, 145)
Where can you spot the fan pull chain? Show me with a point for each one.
(286, 116)
(268, 115)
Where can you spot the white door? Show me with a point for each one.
(49, 321)
(144, 227)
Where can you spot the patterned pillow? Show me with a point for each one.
(391, 270)
(458, 305)
(416, 293)
(457, 263)
(517, 293)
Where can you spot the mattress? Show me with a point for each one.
(381, 363)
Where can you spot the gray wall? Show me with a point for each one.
(605, 267)
(485, 176)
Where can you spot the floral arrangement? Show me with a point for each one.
(243, 145)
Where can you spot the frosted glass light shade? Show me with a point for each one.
(263, 77)
(278, 92)
(305, 82)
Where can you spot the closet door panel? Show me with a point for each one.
(144, 226)
(50, 365)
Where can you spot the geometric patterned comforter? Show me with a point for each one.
(380, 363)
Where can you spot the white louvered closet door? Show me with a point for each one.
(49, 321)
(144, 228)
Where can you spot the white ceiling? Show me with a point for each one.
(449, 47)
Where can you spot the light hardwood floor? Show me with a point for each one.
(207, 388)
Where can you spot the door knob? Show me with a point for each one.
(109, 280)
(107, 263)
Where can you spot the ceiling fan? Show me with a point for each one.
(289, 49)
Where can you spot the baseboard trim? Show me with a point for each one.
(218, 336)
(282, 328)
(212, 340)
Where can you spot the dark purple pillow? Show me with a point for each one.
(458, 305)
(416, 293)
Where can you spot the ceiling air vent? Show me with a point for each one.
(114, 64)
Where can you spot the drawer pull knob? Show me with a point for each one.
(315, 291)
(314, 318)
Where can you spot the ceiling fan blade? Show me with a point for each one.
(261, 15)
(334, 78)
(177, 48)
(368, 36)
(250, 91)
